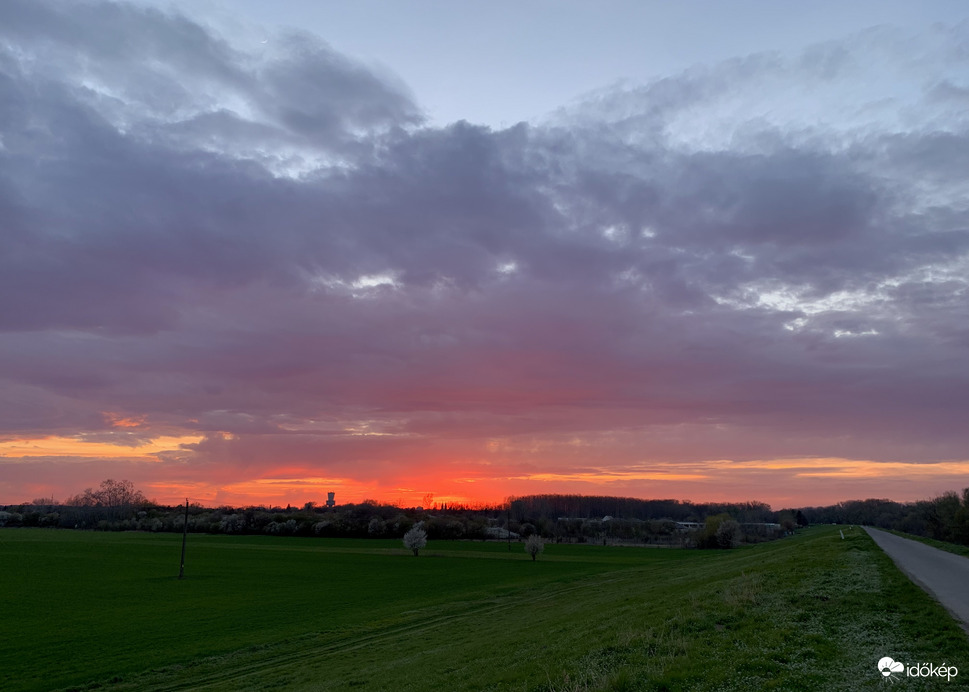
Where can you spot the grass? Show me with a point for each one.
(97, 610)
(941, 545)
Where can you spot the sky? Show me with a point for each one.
(253, 253)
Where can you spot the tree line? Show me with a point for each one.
(552, 506)
(119, 506)
(944, 518)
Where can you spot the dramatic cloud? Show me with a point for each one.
(224, 268)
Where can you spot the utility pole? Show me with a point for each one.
(181, 569)
(508, 527)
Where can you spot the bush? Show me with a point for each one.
(10, 519)
(402, 524)
(728, 534)
(376, 527)
(719, 531)
(283, 528)
(233, 523)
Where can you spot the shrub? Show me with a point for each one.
(282, 528)
(233, 523)
(719, 531)
(376, 527)
(728, 534)
(402, 524)
(10, 519)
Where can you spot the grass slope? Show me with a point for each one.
(941, 545)
(85, 610)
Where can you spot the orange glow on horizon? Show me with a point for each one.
(65, 465)
(717, 480)
(849, 468)
(59, 446)
(605, 476)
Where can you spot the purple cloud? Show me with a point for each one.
(277, 247)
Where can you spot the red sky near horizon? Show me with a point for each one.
(501, 469)
(254, 276)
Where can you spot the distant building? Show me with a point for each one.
(329, 499)
(499, 532)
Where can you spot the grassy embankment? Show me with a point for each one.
(84, 610)
(941, 545)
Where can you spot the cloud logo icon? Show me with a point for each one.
(887, 666)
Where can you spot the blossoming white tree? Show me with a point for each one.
(534, 545)
(415, 539)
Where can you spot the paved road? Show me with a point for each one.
(944, 575)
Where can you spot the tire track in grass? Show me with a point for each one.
(273, 659)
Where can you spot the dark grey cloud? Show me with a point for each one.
(273, 244)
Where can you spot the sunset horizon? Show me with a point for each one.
(821, 482)
(250, 257)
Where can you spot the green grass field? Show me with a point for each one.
(88, 610)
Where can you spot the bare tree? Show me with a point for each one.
(534, 545)
(415, 539)
(112, 500)
(121, 494)
(118, 497)
(85, 499)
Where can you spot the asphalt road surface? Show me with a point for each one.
(944, 575)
